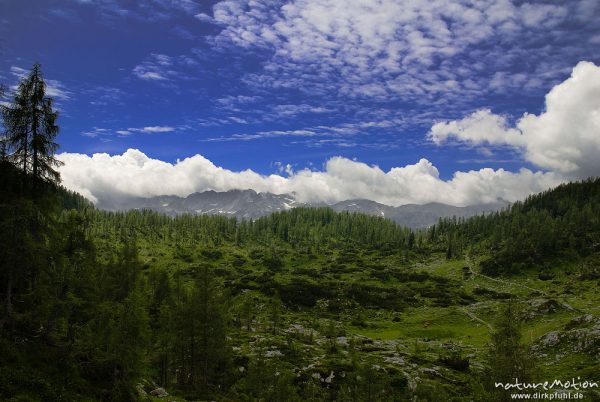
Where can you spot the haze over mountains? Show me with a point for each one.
(249, 204)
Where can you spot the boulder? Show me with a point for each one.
(159, 393)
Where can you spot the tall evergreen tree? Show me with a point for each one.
(31, 129)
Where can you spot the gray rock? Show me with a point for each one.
(550, 339)
(579, 321)
(159, 393)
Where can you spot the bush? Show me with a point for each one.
(211, 254)
(303, 293)
(455, 361)
(311, 272)
(238, 261)
(376, 296)
(491, 293)
(273, 263)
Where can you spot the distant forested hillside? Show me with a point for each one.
(560, 223)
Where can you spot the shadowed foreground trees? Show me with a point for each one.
(75, 325)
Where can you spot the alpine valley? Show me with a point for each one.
(128, 272)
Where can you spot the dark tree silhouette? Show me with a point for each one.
(31, 129)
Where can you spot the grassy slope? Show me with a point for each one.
(408, 340)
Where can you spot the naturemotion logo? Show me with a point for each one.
(573, 384)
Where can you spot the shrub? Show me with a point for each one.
(456, 361)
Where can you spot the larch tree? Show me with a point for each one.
(31, 129)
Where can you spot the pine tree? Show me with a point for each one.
(31, 129)
(199, 334)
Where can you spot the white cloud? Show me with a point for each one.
(546, 14)
(156, 68)
(96, 131)
(104, 178)
(153, 129)
(232, 101)
(389, 49)
(18, 71)
(292, 110)
(148, 75)
(264, 134)
(238, 120)
(204, 18)
(480, 127)
(57, 90)
(564, 138)
(342, 130)
(189, 6)
(165, 69)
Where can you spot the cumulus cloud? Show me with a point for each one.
(564, 138)
(480, 127)
(104, 178)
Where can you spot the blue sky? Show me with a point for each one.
(259, 85)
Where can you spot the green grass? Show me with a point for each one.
(421, 323)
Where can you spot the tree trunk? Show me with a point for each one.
(192, 354)
(8, 303)
(9, 308)
(35, 146)
(25, 161)
(204, 332)
(35, 161)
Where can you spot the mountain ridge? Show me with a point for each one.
(249, 204)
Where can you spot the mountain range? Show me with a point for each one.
(249, 204)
